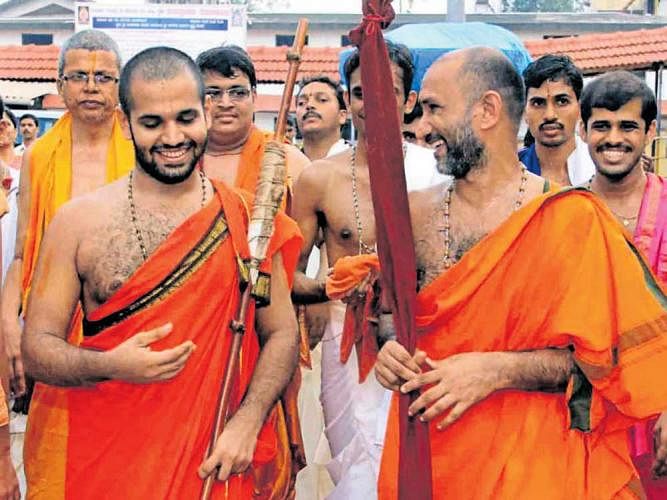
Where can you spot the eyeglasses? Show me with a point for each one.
(235, 94)
(80, 78)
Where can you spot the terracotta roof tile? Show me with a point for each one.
(271, 62)
(599, 52)
(28, 62)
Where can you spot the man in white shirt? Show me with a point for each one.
(553, 86)
(29, 127)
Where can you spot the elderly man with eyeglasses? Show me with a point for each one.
(84, 150)
(235, 146)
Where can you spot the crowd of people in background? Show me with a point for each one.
(540, 271)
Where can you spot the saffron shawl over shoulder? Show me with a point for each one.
(50, 187)
(559, 273)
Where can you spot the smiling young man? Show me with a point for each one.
(84, 150)
(553, 86)
(153, 259)
(235, 146)
(618, 112)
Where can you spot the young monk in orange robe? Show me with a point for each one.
(160, 246)
(199, 259)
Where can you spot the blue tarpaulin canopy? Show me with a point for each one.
(428, 41)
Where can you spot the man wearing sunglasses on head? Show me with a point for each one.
(235, 146)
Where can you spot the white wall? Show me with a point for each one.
(319, 38)
(264, 121)
(13, 37)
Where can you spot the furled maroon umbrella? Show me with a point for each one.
(393, 228)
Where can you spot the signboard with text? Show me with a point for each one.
(190, 28)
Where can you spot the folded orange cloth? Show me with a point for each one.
(360, 326)
(348, 273)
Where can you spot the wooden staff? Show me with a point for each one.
(268, 197)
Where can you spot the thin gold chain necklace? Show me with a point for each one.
(626, 221)
(133, 209)
(447, 258)
(363, 246)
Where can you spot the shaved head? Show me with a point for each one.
(155, 64)
(484, 69)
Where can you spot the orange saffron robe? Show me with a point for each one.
(146, 441)
(50, 187)
(4, 411)
(559, 273)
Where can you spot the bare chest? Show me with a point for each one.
(111, 253)
(441, 241)
(89, 170)
(222, 168)
(348, 217)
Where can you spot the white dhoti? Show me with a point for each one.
(355, 417)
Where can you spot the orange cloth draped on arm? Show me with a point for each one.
(361, 314)
(50, 187)
(147, 440)
(558, 273)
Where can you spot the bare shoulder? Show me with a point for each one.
(296, 161)
(91, 210)
(316, 175)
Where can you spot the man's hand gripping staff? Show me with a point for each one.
(269, 193)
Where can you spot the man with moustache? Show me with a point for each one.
(333, 195)
(553, 86)
(84, 150)
(29, 126)
(491, 367)
(618, 112)
(320, 115)
(235, 146)
(143, 255)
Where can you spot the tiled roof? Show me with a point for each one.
(270, 103)
(599, 52)
(271, 62)
(29, 62)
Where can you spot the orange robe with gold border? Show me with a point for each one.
(146, 441)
